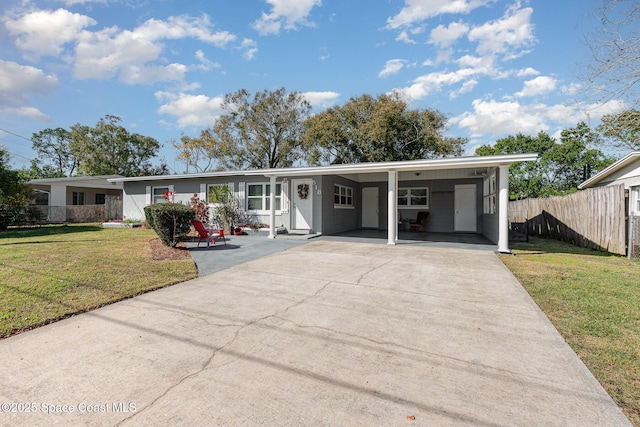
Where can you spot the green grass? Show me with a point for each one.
(52, 272)
(593, 299)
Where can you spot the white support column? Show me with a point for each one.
(58, 203)
(392, 208)
(272, 205)
(503, 209)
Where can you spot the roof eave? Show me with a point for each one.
(409, 165)
(621, 163)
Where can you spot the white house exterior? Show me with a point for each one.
(625, 171)
(57, 194)
(461, 194)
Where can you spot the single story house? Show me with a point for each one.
(461, 194)
(625, 171)
(70, 199)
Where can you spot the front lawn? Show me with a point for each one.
(52, 272)
(593, 299)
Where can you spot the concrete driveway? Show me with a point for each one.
(326, 333)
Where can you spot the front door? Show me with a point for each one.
(370, 203)
(465, 208)
(302, 204)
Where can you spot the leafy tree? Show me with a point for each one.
(622, 129)
(560, 166)
(55, 158)
(615, 47)
(526, 179)
(257, 132)
(15, 195)
(368, 129)
(109, 148)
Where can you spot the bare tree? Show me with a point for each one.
(614, 72)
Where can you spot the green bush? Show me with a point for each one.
(171, 221)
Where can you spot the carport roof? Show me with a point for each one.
(407, 165)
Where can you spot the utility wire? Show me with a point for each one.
(19, 136)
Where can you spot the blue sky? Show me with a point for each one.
(495, 68)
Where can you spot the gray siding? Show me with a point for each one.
(441, 203)
(336, 220)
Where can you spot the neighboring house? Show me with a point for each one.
(625, 171)
(75, 199)
(461, 194)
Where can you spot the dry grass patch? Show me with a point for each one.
(593, 299)
(50, 273)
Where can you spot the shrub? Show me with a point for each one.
(171, 221)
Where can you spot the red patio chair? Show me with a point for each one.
(209, 235)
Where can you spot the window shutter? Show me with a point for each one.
(284, 202)
(241, 195)
(203, 193)
(147, 199)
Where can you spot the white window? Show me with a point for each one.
(489, 193)
(637, 201)
(78, 198)
(258, 197)
(417, 197)
(160, 195)
(342, 195)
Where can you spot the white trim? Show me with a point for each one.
(264, 196)
(409, 165)
(626, 160)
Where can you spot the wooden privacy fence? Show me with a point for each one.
(592, 218)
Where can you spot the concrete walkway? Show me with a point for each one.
(326, 333)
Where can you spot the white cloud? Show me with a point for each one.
(321, 99)
(180, 27)
(571, 88)
(205, 63)
(527, 72)
(508, 35)
(465, 88)
(445, 36)
(30, 112)
(110, 52)
(433, 82)
(393, 66)
(250, 48)
(500, 118)
(150, 74)
(18, 83)
(18, 80)
(538, 86)
(45, 32)
(415, 11)
(287, 14)
(190, 110)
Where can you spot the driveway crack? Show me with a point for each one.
(208, 362)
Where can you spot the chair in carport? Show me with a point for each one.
(420, 223)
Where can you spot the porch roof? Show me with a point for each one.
(356, 168)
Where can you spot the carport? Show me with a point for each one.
(484, 181)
